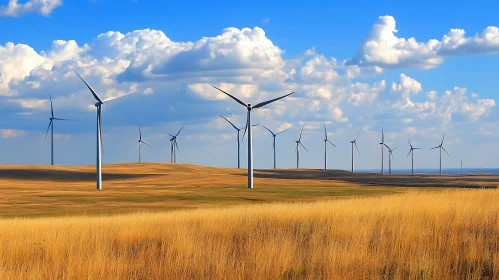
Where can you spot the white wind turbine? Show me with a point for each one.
(390, 156)
(249, 107)
(382, 144)
(325, 147)
(141, 142)
(274, 135)
(238, 142)
(174, 146)
(441, 147)
(411, 151)
(51, 127)
(354, 142)
(98, 105)
(297, 151)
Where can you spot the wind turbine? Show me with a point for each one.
(325, 147)
(174, 146)
(141, 142)
(441, 146)
(354, 142)
(51, 126)
(411, 151)
(248, 127)
(297, 151)
(390, 156)
(274, 135)
(98, 105)
(382, 149)
(238, 142)
(461, 167)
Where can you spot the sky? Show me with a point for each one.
(416, 70)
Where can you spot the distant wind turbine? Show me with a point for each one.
(390, 156)
(274, 135)
(354, 142)
(382, 144)
(141, 142)
(297, 151)
(174, 146)
(411, 151)
(441, 147)
(248, 127)
(51, 126)
(461, 167)
(98, 105)
(238, 142)
(325, 147)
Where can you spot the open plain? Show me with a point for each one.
(45, 190)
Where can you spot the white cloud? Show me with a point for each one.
(42, 7)
(383, 48)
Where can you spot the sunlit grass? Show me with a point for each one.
(439, 235)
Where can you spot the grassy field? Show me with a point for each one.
(453, 234)
(46, 191)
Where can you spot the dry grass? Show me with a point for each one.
(48, 191)
(443, 235)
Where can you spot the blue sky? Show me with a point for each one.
(348, 66)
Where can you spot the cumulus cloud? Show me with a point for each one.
(11, 133)
(42, 7)
(383, 48)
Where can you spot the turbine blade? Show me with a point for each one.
(387, 146)
(100, 130)
(237, 100)
(140, 134)
(113, 98)
(410, 151)
(282, 131)
(50, 123)
(434, 148)
(268, 130)
(416, 148)
(382, 136)
(256, 124)
(442, 140)
(357, 148)
(325, 132)
(394, 149)
(245, 127)
(357, 137)
(410, 143)
(59, 119)
(331, 143)
(179, 131)
(51, 106)
(90, 88)
(303, 146)
(445, 151)
(301, 132)
(270, 101)
(176, 147)
(170, 135)
(235, 127)
(145, 143)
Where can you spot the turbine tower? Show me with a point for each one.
(441, 147)
(141, 142)
(51, 127)
(249, 107)
(390, 156)
(325, 147)
(461, 167)
(274, 135)
(411, 151)
(297, 151)
(174, 146)
(98, 105)
(354, 142)
(382, 144)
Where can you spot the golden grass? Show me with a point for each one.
(34, 190)
(440, 235)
